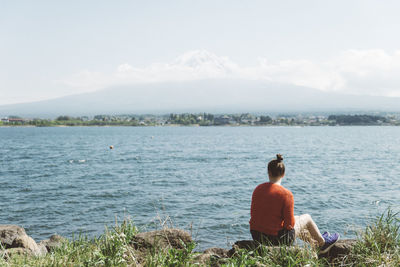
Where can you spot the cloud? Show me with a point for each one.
(371, 72)
(193, 65)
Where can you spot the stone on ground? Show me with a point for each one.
(8, 233)
(211, 257)
(164, 239)
(15, 241)
(52, 243)
(13, 236)
(340, 249)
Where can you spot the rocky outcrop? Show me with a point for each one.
(162, 239)
(25, 241)
(15, 241)
(9, 233)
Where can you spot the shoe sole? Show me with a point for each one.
(329, 247)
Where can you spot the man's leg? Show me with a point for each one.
(307, 230)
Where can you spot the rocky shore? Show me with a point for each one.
(15, 241)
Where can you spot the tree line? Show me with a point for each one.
(204, 119)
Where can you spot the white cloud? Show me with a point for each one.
(372, 72)
(125, 68)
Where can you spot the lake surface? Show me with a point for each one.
(67, 180)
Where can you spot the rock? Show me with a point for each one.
(42, 250)
(25, 241)
(211, 257)
(220, 252)
(8, 233)
(340, 249)
(56, 238)
(16, 241)
(52, 243)
(243, 244)
(164, 239)
(255, 246)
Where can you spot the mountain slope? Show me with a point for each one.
(201, 96)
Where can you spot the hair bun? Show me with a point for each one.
(279, 157)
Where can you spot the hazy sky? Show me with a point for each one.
(55, 48)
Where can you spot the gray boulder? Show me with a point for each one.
(164, 239)
(55, 241)
(8, 233)
(25, 241)
(13, 236)
(14, 240)
(219, 252)
(211, 257)
(341, 249)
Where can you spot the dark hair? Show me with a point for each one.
(276, 168)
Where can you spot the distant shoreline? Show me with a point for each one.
(207, 119)
(192, 126)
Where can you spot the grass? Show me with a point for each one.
(110, 249)
(171, 257)
(282, 257)
(377, 245)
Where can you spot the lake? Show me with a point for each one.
(67, 180)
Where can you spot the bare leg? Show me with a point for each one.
(307, 230)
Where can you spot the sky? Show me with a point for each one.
(50, 49)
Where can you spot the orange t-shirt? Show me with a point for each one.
(271, 209)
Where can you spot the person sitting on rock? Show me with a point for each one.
(272, 220)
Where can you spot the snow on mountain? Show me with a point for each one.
(206, 62)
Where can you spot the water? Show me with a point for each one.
(67, 180)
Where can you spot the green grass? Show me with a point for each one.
(377, 245)
(110, 249)
(282, 257)
(171, 257)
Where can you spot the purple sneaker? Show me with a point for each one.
(326, 235)
(330, 240)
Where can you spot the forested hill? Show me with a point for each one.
(357, 119)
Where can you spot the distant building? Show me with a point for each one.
(4, 120)
(223, 120)
(16, 120)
